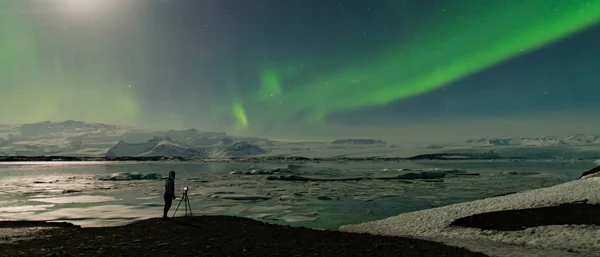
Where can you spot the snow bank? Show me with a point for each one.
(540, 241)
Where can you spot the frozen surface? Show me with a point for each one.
(538, 241)
(75, 199)
(321, 195)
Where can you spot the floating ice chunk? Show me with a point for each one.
(254, 171)
(130, 176)
(519, 173)
(386, 169)
(403, 175)
(300, 217)
(26, 208)
(313, 178)
(242, 197)
(422, 175)
(75, 199)
(447, 171)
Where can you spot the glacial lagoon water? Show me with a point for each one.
(111, 193)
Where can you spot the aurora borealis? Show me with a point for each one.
(272, 65)
(49, 79)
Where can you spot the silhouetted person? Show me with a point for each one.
(169, 193)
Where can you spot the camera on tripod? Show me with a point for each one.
(186, 203)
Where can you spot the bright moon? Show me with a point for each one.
(87, 5)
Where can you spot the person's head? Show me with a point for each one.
(172, 174)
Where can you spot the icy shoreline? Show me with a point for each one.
(550, 240)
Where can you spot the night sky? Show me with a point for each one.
(305, 68)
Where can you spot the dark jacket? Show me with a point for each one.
(170, 187)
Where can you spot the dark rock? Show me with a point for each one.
(577, 213)
(68, 191)
(595, 170)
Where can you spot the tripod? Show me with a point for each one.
(186, 204)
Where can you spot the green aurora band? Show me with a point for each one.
(36, 87)
(455, 45)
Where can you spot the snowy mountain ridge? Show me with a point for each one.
(168, 147)
(76, 138)
(571, 140)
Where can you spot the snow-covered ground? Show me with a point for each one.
(564, 240)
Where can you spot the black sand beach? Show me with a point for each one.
(216, 236)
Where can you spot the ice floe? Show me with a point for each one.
(130, 176)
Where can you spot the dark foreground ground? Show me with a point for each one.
(218, 236)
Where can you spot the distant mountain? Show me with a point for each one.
(53, 128)
(155, 147)
(230, 148)
(571, 140)
(170, 148)
(76, 138)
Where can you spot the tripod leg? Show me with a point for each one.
(185, 204)
(177, 208)
(188, 203)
